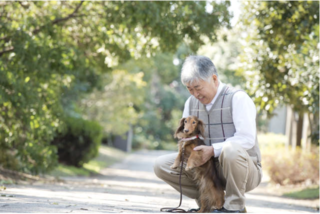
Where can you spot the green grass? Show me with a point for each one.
(107, 156)
(7, 181)
(309, 193)
(63, 170)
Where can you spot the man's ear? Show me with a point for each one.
(201, 127)
(180, 128)
(214, 78)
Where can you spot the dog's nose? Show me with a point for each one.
(186, 130)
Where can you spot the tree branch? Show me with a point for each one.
(56, 21)
(6, 51)
(5, 38)
(25, 5)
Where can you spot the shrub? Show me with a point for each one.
(78, 142)
(286, 166)
(25, 144)
(8, 160)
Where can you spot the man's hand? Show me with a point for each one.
(208, 152)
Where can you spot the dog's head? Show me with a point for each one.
(190, 126)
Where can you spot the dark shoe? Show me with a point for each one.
(224, 210)
(194, 210)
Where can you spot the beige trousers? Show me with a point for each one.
(240, 171)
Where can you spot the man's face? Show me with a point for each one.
(203, 90)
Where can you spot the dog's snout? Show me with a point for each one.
(186, 130)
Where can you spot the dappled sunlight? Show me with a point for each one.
(111, 194)
(109, 151)
(270, 203)
(129, 186)
(120, 174)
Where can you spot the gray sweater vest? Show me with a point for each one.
(219, 121)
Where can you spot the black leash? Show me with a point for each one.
(177, 209)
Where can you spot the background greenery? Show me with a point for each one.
(280, 57)
(55, 54)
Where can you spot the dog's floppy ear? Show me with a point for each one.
(201, 127)
(180, 128)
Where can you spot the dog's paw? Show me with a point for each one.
(173, 167)
(188, 168)
(201, 211)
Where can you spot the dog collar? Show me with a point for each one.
(192, 138)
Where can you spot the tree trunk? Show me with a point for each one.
(306, 133)
(294, 129)
(129, 139)
(299, 129)
(289, 121)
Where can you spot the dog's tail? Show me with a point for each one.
(218, 181)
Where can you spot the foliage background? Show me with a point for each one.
(94, 70)
(63, 60)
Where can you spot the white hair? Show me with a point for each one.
(197, 68)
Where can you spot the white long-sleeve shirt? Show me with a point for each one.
(244, 119)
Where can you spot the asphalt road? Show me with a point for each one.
(129, 186)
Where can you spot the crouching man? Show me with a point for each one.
(230, 118)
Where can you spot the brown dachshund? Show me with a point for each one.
(211, 187)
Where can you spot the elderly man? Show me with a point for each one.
(230, 118)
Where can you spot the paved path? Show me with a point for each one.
(129, 186)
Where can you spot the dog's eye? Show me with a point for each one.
(194, 122)
(185, 121)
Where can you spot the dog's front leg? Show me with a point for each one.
(176, 162)
(194, 160)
